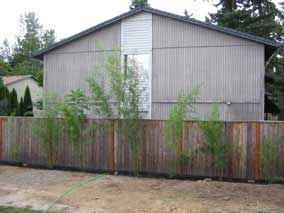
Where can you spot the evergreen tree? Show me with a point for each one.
(139, 3)
(28, 104)
(13, 102)
(20, 110)
(4, 101)
(7, 94)
(31, 38)
(257, 17)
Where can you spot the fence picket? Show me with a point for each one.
(109, 152)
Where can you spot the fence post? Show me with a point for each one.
(1, 139)
(112, 147)
(180, 150)
(257, 149)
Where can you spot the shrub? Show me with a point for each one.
(174, 125)
(73, 110)
(214, 143)
(120, 100)
(47, 128)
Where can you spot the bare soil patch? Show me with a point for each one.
(36, 189)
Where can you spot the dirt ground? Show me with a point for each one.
(36, 189)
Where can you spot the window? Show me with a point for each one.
(142, 61)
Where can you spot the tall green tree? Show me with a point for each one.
(139, 3)
(13, 102)
(28, 104)
(31, 38)
(48, 38)
(257, 17)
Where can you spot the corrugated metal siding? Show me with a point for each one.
(234, 112)
(107, 38)
(70, 66)
(227, 69)
(168, 32)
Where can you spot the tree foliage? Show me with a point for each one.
(4, 101)
(13, 102)
(5, 68)
(47, 129)
(20, 110)
(28, 104)
(257, 17)
(184, 109)
(139, 3)
(32, 37)
(215, 144)
(5, 51)
(78, 101)
(116, 95)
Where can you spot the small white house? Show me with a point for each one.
(20, 82)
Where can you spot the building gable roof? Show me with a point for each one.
(271, 44)
(7, 80)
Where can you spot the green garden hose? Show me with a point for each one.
(72, 189)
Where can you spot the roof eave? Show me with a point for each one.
(40, 53)
(21, 79)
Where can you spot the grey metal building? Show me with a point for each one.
(177, 53)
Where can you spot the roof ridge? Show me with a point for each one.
(207, 24)
(39, 53)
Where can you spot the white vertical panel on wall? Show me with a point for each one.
(136, 34)
(136, 39)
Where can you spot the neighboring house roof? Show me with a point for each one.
(271, 44)
(7, 80)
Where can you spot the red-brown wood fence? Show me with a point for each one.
(106, 150)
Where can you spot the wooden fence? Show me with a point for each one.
(106, 150)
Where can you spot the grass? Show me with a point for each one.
(15, 210)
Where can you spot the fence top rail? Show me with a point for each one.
(150, 120)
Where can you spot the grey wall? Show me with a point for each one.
(69, 67)
(227, 69)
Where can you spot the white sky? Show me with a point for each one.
(68, 17)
